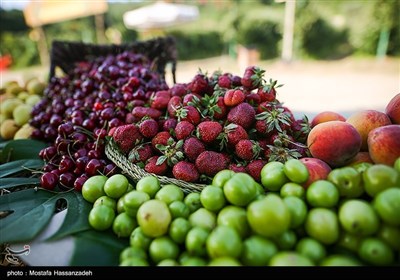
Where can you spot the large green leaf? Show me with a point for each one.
(93, 248)
(31, 211)
(76, 219)
(18, 181)
(22, 149)
(17, 166)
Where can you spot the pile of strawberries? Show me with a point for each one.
(192, 130)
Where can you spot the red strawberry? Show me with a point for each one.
(254, 167)
(141, 153)
(268, 91)
(242, 114)
(169, 125)
(247, 149)
(184, 129)
(160, 138)
(152, 166)
(159, 100)
(192, 148)
(220, 110)
(224, 81)
(232, 134)
(233, 97)
(237, 167)
(189, 113)
(178, 89)
(191, 98)
(127, 136)
(199, 84)
(252, 77)
(185, 171)
(301, 128)
(275, 118)
(253, 99)
(174, 103)
(148, 128)
(140, 112)
(210, 163)
(208, 131)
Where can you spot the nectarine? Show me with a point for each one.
(366, 120)
(326, 116)
(384, 144)
(393, 109)
(335, 142)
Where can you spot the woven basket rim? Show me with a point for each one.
(135, 172)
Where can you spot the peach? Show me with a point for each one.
(361, 157)
(366, 120)
(384, 144)
(326, 116)
(393, 109)
(317, 169)
(335, 142)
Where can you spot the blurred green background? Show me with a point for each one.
(324, 30)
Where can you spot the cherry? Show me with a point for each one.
(48, 181)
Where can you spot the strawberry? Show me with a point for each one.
(232, 134)
(233, 97)
(178, 89)
(253, 99)
(192, 148)
(237, 167)
(188, 113)
(252, 77)
(224, 81)
(199, 84)
(275, 118)
(148, 127)
(236, 81)
(159, 100)
(169, 125)
(254, 167)
(208, 131)
(247, 149)
(220, 110)
(171, 153)
(160, 138)
(141, 153)
(141, 111)
(242, 114)
(268, 91)
(191, 98)
(153, 166)
(301, 128)
(184, 129)
(174, 103)
(281, 139)
(185, 171)
(210, 163)
(127, 136)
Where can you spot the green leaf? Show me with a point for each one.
(76, 218)
(31, 212)
(22, 149)
(3, 143)
(18, 181)
(94, 248)
(16, 166)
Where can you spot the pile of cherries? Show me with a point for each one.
(79, 108)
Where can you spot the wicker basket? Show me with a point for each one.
(160, 51)
(136, 173)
